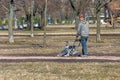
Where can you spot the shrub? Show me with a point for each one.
(0, 22)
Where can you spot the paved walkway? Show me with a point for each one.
(49, 58)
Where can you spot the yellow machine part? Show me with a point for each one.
(118, 18)
(117, 9)
(112, 18)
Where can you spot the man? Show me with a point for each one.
(83, 32)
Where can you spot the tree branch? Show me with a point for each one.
(71, 3)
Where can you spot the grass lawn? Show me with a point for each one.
(55, 44)
(60, 71)
(110, 45)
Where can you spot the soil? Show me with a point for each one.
(53, 58)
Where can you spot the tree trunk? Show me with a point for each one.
(45, 24)
(98, 38)
(15, 20)
(32, 28)
(10, 29)
(76, 21)
(28, 16)
(42, 20)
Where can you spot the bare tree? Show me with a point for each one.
(10, 28)
(39, 9)
(4, 8)
(79, 6)
(98, 10)
(32, 28)
(99, 4)
(55, 9)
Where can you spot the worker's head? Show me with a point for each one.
(81, 17)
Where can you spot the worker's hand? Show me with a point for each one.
(77, 36)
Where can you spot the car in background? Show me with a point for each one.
(2, 27)
(37, 26)
(25, 26)
(20, 27)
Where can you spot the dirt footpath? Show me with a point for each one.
(59, 59)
